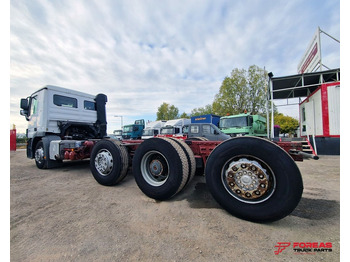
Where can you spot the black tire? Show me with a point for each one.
(39, 155)
(160, 168)
(254, 179)
(190, 158)
(109, 162)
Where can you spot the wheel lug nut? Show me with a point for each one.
(238, 191)
(248, 195)
(257, 192)
(262, 185)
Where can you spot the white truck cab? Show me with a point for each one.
(175, 126)
(59, 114)
(152, 129)
(50, 106)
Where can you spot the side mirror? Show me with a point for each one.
(24, 104)
(23, 112)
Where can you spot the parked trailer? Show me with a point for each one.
(250, 177)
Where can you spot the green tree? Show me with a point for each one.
(242, 90)
(287, 124)
(167, 112)
(184, 115)
(208, 109)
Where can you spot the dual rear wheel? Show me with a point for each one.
(162, 167)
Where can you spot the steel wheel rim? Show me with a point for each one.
(248, 179)
(39, 155)
(104, 162)
(154, 168)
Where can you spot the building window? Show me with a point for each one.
(303, 114)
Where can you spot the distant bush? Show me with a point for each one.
(21, 140)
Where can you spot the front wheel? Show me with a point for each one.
(254, 179)
(39, 155)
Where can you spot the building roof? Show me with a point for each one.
(301, 85)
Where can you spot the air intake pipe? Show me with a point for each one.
(101, 122)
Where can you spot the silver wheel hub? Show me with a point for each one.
(39, 154)
(154, 168)
(248, 181)
(104, 162)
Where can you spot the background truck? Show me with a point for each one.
(250, 177)
(204, 131)
(152, 129)
(134, 131)
(213, 119)
(118, 134)
(243, 125)
(174, 127)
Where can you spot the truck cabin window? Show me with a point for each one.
(148, 132)
(194, 129)
(234, 122)
(65, 101)
(206, 129)
(89, 105)
(33, 105)
(167, 131)
(127, 129)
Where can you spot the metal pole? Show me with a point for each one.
(272, 123)
(319, 38)
(267, 106)
(329, 35)
(121, 121)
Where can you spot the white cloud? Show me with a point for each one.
(142, 53)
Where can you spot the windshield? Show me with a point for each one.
(127, 129)
(117, 133)
(167, 131)
(147, 132)
(233, 122)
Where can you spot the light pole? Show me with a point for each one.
(121, 120)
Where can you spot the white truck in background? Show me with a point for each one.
(175, 127)
(152, 129)
(118, 134)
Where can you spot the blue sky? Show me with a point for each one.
(143, 53)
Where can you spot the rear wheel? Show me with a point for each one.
(254, 179)
(109, 162)
(160, 168)
(190, 158)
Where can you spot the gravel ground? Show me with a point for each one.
(63, 214)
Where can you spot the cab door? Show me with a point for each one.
(208, 132)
